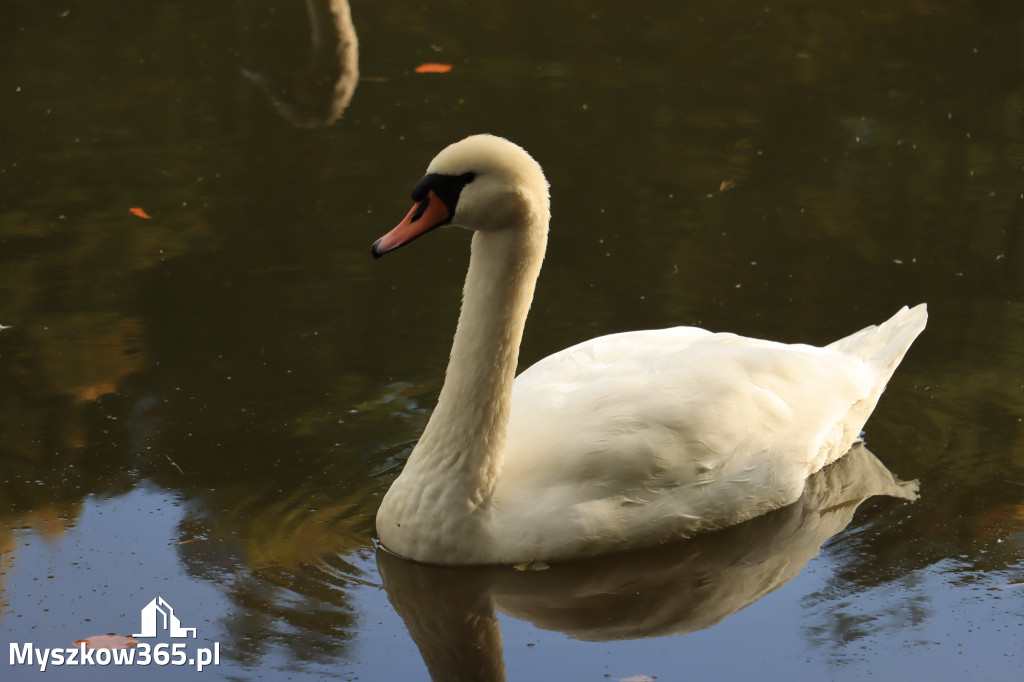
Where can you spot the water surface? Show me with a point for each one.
(207, 404)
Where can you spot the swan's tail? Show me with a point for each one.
(883, 346)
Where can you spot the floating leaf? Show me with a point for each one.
(531, 566)
(136, 211)
(110, 641)
(1007, 587)
(433, 67)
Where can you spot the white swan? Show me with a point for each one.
(623, 441)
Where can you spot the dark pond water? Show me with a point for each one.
(207, 404)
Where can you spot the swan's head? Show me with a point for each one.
(482, 183)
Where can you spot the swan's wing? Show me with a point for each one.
(704, 428)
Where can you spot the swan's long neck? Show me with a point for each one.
(465, 437)
(442, 496)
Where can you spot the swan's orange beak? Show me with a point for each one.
(424, 217)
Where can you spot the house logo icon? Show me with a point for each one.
(158, 613)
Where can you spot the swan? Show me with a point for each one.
(624, 441)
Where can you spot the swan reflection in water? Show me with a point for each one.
(669, 590)
(316, 95)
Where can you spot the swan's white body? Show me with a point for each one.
(623, 441)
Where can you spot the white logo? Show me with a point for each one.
(103, 650)
(150, 622)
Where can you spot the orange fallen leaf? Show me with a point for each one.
(432, 67)
(136, 211)
(110, 641)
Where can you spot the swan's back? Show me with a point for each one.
(654, 434)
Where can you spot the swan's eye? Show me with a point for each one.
(421, 208)
(446, 187)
